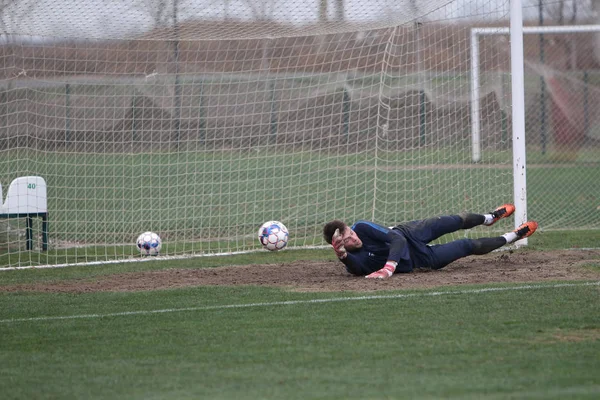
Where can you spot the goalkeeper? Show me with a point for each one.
(375, 251)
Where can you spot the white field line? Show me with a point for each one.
(297, 302)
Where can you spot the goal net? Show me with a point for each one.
(201, 120)
(561, 99)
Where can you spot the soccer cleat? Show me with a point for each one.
(526, 229)
(505, 210)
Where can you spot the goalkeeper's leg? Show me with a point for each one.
(443, 254)
(473, 220)
(430, 229)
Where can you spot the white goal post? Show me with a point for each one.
(516, 32)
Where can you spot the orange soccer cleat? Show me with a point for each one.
(526, 229)
(505, 210)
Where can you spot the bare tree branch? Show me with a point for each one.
(160, 12)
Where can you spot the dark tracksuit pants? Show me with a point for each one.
(420, 233)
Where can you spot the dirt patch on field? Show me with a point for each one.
(507, 266)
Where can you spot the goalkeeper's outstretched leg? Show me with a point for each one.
(430, 229)
(444, 254)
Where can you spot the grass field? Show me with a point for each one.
(495, 341)
(500, 341)
(530, 340)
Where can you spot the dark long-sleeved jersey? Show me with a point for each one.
(379, 244)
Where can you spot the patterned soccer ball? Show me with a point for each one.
(273, 235)
(149, 244)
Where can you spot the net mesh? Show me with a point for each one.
(200, 121)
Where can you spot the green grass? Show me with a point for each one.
(553, 240)
(465, 342)
(207, 202)
(537, 343)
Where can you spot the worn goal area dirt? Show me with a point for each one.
(506, 266)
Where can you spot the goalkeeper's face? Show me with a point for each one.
(351, 240)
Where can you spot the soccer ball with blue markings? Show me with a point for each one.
(273, 235)
(149, 244)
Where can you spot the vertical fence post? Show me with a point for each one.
(273, 111)
(134, 134)
(177, 105)
(504, 121)
(422, 116)
(4, 106)
(67, 113)
(177, 88)
(201, 114)
(586, 102)
(346, 112)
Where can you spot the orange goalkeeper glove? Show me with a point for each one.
(385, 272)
(338, 245)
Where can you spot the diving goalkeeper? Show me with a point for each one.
(376, 251)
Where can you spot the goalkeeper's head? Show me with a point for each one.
(349, 238)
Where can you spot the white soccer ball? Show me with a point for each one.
(273, 235)
(149, 244)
